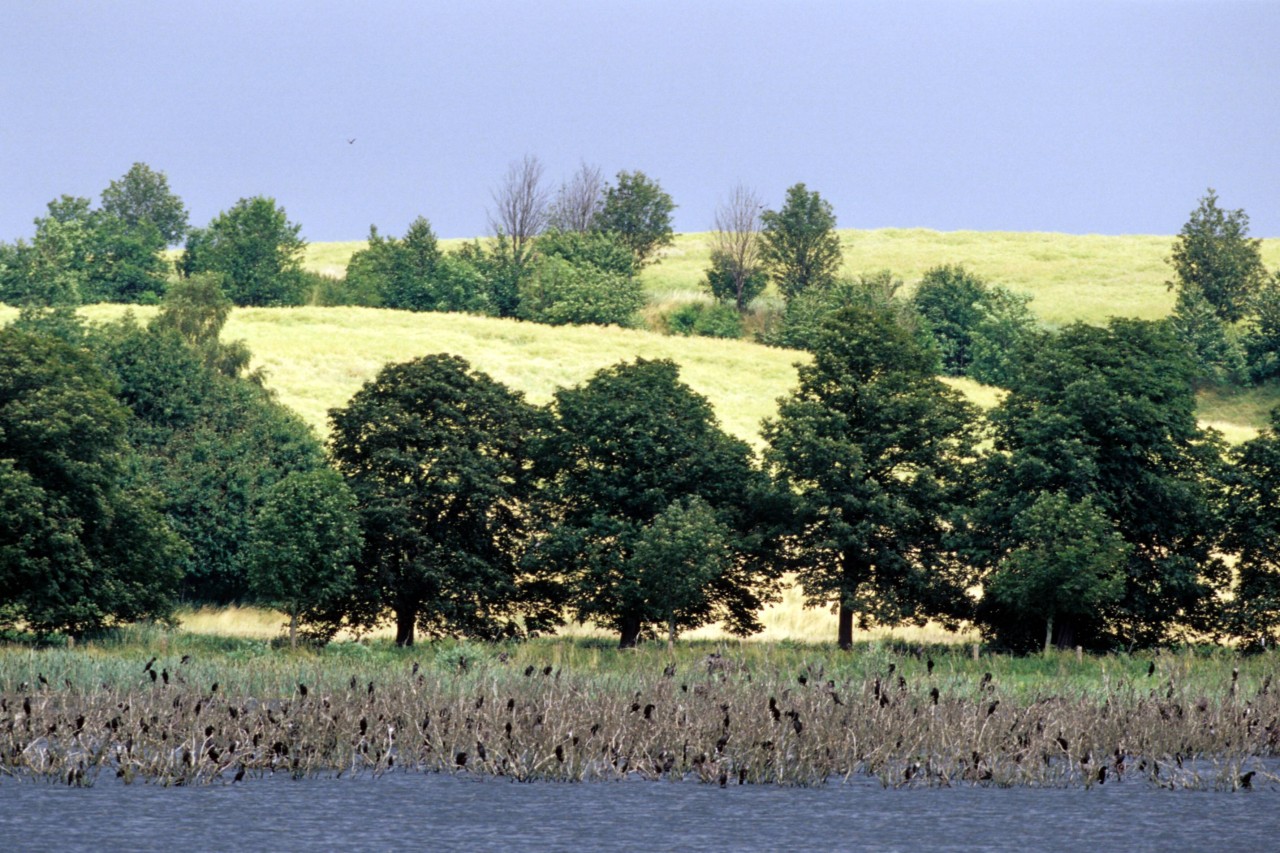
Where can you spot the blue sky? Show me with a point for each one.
(1080, 117)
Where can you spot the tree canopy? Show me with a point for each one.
(875, 448)
(800, 247)
(638, 212)
(1214, 255)
(438, 457)
(256, 249)
(642, 482)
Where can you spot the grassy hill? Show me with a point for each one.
(1069, 277)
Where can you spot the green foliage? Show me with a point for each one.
(734, 286)
(82, 255)
(1109, 414)
(141, 198)
(413, 274)
(1253, 535)
(1262, 341)
(1067, 568)
(875, 447)
(801, 250)
(302, 548)
(978, 327)
(599, 249)
(711, 321)
(209, 445)
(78, 550)
(631, 446)
(804, 321)
(255, 248)
(557, 292)
(438, 458)
(1214, 254)
(637, 211)
(1216, 352)
(196, 308)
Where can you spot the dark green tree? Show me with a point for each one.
(1108, 414)
(1215, 350)
(800, 248)
(1253, 536)
(876, 448)
(637, 211)
(78, 550)
(1214, 254)
(1068, 565)
(141, 197)
(1262, 341)
(438, 456)
(196, 308)
(303, 546)
(413, 274)
(638, 469)
(256, 249)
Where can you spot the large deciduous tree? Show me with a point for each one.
(656, 518)
(1108, 415)
(256, 249)
(438, 456)
(1253, 535)
(800, 247)
(141, 197)
(875, 448)
(638, 212)
(519, 211)
(413, 274)
(78, 549)
(1215, 255)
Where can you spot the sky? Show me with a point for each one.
(1078, 117)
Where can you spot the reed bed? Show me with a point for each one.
(576, 712)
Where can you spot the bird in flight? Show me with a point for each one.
(351, 141)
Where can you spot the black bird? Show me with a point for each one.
(152, 673)
(164, 674)
(150, 664)
(302, 690)
(928, 665)
(44, 681)
(351, 141)
(1151, 669)
(239, 774)
(1246, 781)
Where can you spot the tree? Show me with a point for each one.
(520, 207)
(950, 300)
(413, 274)
(257, 250)
(1214, 254)
(578, 201)
(736, 274)
(558, 292)
(78, 550)
(641, 485)
(301, 550)
(438, 456)
(800, 247)
(638, 212)
(141, 197)
(1068, 565)
(876, 449)
(196, 308)
(1262, 341)
(1109, 414)
(803, 324)
(1253, 536)
(1217, 354)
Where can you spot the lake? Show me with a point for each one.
(415, 811)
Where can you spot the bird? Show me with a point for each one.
(351, 141)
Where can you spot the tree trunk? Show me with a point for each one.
(405, 619)
(845, 637)
(630, 632)
(1048, 634)
(293, 630)
(671, 631)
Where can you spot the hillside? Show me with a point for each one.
(1070, 277)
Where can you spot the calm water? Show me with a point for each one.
(436, 812)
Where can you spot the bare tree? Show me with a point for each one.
(579, 200)
(736, 273)
(520, 206)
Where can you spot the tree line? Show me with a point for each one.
(143, 464)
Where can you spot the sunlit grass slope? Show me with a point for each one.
(1069, 277)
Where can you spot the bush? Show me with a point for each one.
(709, 321)
(559, 293)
